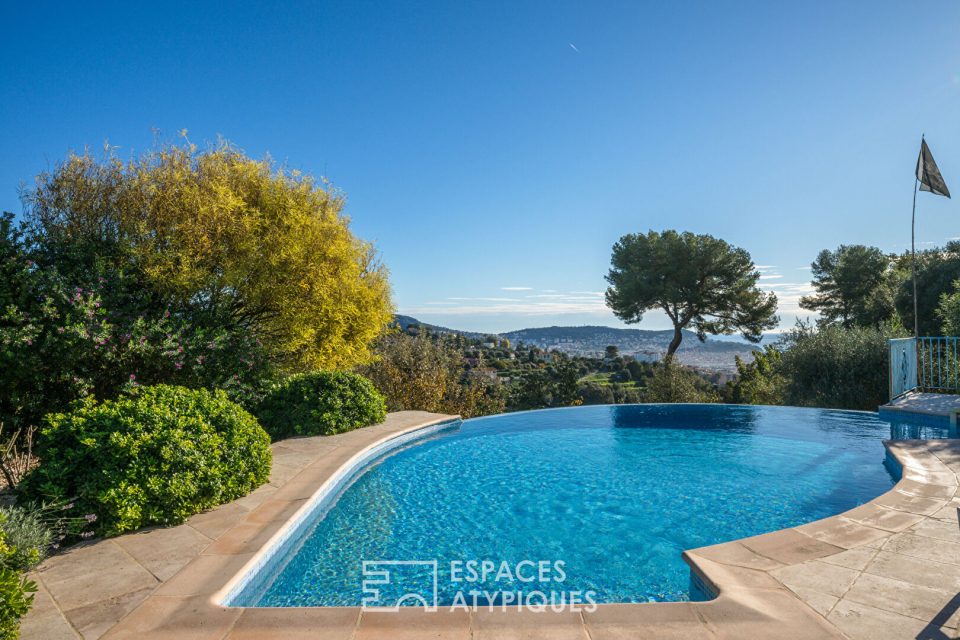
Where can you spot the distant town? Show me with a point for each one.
(712, 356)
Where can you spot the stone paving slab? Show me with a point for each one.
(904, 583)
(922, 402)
(888, 569)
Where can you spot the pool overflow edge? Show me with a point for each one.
(249, 584)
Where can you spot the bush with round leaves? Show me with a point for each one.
(155, 455)
(321, 404)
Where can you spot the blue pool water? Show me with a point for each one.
(615, 493)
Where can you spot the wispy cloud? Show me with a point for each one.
(535, 304)
(532, 308)
(550, 302)
(569, 297)
(770, 276)
(788, 296)
(574, 47)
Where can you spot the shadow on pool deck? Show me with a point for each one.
(887, 569)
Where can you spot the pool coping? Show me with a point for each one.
(321, 500)
(765, 586)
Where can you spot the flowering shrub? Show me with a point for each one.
(321, 403)
(155, 455)
(61, 341)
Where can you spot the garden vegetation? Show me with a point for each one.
(321, 404)
(865, 298)
(428, 372)
(153, 456)
(147, 307)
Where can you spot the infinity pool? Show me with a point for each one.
(615, 493)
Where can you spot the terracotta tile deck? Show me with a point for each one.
(888, 569)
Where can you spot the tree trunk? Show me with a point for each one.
(675, 343)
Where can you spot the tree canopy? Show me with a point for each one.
(850, 284)
(937, 270)
(234, 241)
(700, 282)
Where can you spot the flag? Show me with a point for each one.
(928, 174)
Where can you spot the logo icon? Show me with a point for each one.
(391, 584)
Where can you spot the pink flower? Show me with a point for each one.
(133, 377)
(86, 534)
(178, 365)
(90, 517)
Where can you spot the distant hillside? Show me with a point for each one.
(405, 321)
(644, 344)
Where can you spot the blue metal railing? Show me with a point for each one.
(938, 364)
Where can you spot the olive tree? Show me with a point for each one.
(702, 283)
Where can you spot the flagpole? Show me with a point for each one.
(928, 173)
(913, 258)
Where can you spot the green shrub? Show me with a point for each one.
(321, 403)
(16, 592)
(836, 367)
(427, 372)
(759, 381)
(156, 455)
(672, 382)
(34, 530)
(27, 534)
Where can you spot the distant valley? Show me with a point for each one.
(643, 344)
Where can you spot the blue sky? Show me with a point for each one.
(494, 151)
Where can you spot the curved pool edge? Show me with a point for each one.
(250, 578)
(819, 564)
(765, 585)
